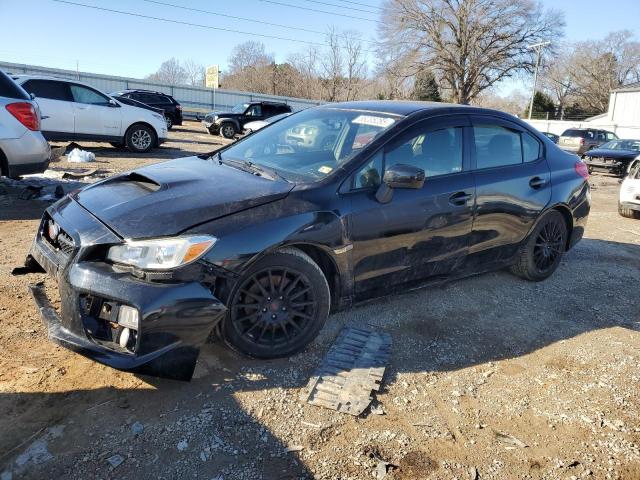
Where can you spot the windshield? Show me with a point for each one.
(240, 108)
(633, 145)
(309, 145)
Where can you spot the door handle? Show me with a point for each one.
(460, 198)
(537, 182)
(44, 117)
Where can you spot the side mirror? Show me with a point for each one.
(399, 176)
(33, 97)
(113, 103)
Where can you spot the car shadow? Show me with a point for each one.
(470, 322)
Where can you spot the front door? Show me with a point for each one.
(252, 114)
(513, 185)
(95, 117)
(420, 233)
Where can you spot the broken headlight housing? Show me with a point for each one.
(161, 253)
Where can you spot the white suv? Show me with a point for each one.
(74, 111)
(629, 203)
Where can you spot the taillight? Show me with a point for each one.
(581, 169)
(582, 141)
(178, 107)
(26, 114)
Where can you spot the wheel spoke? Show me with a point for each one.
(301, 292)
(282, 280)
(252, 295)
(297, 313)
(247, 305)
(271, 287)
(292, 285)
(246, 317)
(262, 289)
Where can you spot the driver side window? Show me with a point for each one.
(437, 152)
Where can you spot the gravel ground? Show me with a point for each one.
(489, 377)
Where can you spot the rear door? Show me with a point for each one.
(95, 116)
(419, 233)
(56, 108)
(513, 186)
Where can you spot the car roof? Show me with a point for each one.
(408, 107)
(48, 77)
(130, 90)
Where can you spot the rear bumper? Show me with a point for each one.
(25, 155)
(174, 319)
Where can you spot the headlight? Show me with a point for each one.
(161, 253)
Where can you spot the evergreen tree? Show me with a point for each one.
(426, 87)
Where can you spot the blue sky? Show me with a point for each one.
(55, 34)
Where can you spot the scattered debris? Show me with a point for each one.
(137, 428)
(183, 445)
(80, 156)
(510, 439)
(350, 371)
(115, 460)
(377, 409)
(295, 448)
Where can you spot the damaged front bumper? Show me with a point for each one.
(174, 315)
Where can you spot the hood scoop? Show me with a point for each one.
(138, 179)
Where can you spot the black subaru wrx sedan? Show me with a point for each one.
(263, 238)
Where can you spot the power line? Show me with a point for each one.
(363, 4)
(245, 19)
(234, 17)
(209, 27)
(341, 6)
(316, 10)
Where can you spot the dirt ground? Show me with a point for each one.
(489, 377)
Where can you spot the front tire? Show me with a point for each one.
(140, 138)
(628, 212)
(169, 121)
(542, 252)
(228, 130)
(278, 306)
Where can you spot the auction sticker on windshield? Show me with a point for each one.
(382, 122)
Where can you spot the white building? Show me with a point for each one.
(622, 118)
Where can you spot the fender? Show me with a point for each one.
(235, 121)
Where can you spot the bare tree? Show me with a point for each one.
(195, 73)
(557, 80)
(597, 67)
(170, 72)
(469, 44)
(356, 64)
(333, 67)
(306, 63)
(249, 66)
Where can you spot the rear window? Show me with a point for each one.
(9, 88)
(51, 89)
(578, 133)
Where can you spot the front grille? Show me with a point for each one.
(55, 236)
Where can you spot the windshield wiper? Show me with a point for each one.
(249, 167)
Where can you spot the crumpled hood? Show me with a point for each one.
(169, 198)
(605, 152)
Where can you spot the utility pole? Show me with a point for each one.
(538, 48)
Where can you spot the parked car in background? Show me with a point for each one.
(229, 124)
(258, 124)
(263, 238)
(551, 136)
(172, 109)
(74, 111)
(629, 201)
(612, 157)
(581, 140)
(23, 149)
(135, 103)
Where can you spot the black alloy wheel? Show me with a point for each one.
(542, 252)
(278, 307)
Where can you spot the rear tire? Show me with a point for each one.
(278, 306)
(140, 138)
(628, 212)
(169, 122)
(228, 130)
(542, 252)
